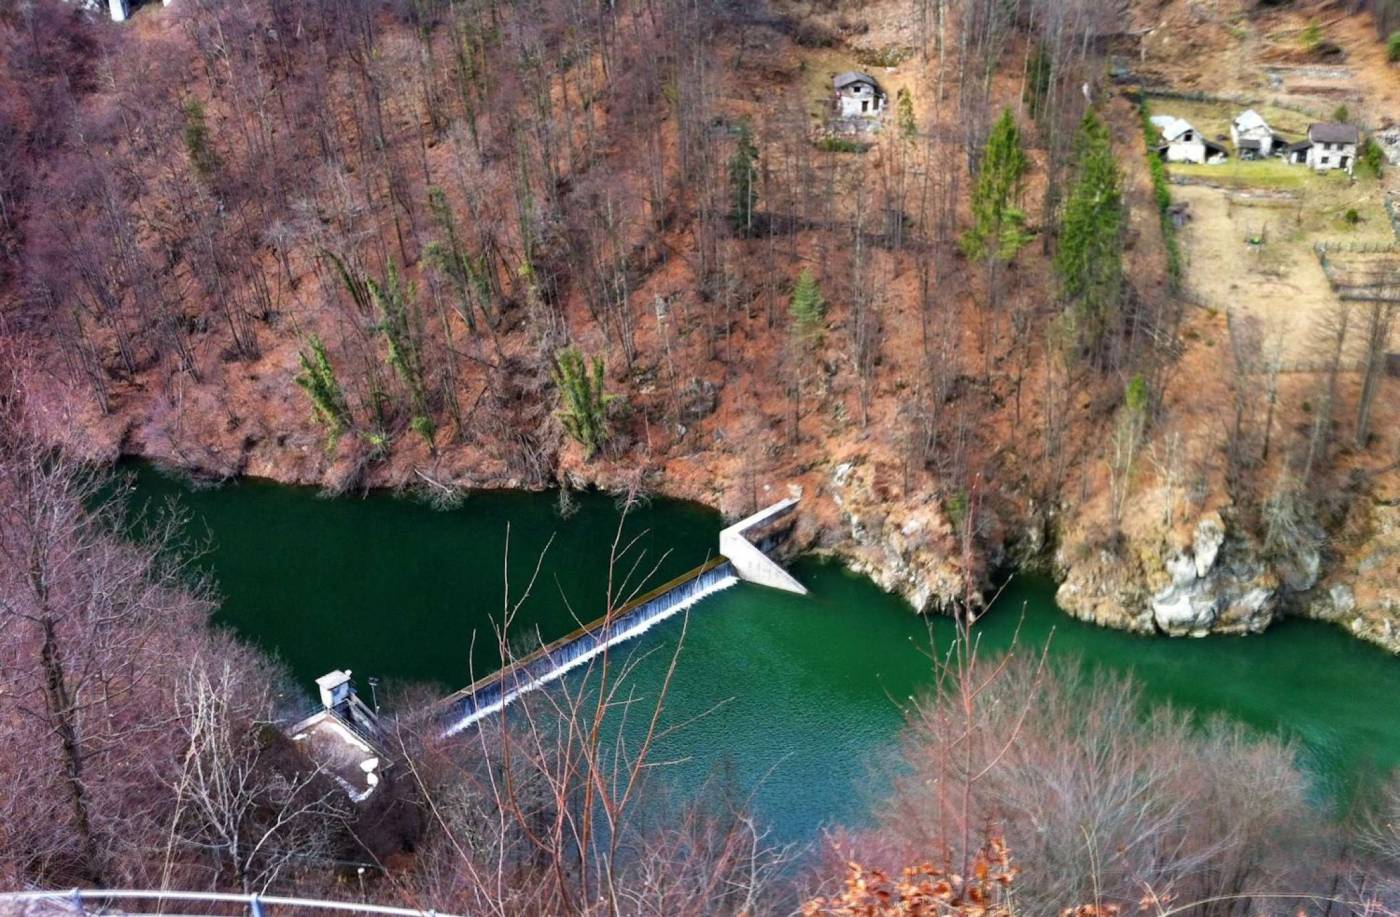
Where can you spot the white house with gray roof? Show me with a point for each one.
(1332, 146)
(858, 95)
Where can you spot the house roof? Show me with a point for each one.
(1175, 128)
(1298, 147)
(851, 77)
(1332, 132)
(1249, 120)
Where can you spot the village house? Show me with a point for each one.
(1332, 146)
(1252, 137)
(1183, 143)
(858, 95)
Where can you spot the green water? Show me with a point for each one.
(797, 697)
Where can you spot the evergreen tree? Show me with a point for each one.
(1089, 261)
(1039, 71)
(200, 148)
(317, 379)
(807, 307)
(998, 226)
(450, 258)
(400, 324)
(743, 188)
(586, 400)
(904, 115)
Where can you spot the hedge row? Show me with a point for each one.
(1161, 195)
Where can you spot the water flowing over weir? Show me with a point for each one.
(553, 660)
(492, 693)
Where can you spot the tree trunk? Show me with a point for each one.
(60, 706)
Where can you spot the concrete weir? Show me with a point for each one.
(743, 546)
(746, 543)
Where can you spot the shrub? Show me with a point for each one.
(841, 145)
(1352, 217)
(891, 56)
(1190, 809)
(1370, 161)
(1162, 196)
(1392, 47)
(1311, 37)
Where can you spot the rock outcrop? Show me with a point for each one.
(906, 549)
(1361, 591)
(1217, 582)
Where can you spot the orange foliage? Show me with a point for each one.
(925, 890)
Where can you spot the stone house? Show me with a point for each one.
(858, 95)
(1332, 146)
(1183, 143)
(1252, 136)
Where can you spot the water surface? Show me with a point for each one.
(796, 696)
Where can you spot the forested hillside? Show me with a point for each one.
(376, 248)
(445, 244)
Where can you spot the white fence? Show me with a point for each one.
(127, 901)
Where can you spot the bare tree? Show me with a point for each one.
(1379, 318)
(252, 816)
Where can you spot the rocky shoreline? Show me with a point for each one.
(1215, 580)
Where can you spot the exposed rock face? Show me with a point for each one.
(908, 550)
(1362, 590)
(1217, 583)
(1215, 590)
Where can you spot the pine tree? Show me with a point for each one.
(1089, 261)
(998, 226)
(807, 307)
(200, 148)
(400, 324)
(743, 175)
(451, 258)
(317, 379)
(586, 400)
(1039, 70)
(904, 115)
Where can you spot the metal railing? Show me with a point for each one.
(99, 901)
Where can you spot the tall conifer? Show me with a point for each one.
(1089, 261)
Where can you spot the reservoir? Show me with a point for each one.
(797, 699)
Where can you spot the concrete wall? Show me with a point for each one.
(751, 564)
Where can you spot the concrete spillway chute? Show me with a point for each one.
(744, 542)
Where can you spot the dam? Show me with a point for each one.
(792, 694)
(745, 548)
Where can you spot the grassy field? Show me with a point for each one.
(1274, 174)
(1266, 174)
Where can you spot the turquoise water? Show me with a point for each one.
(796, 697)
